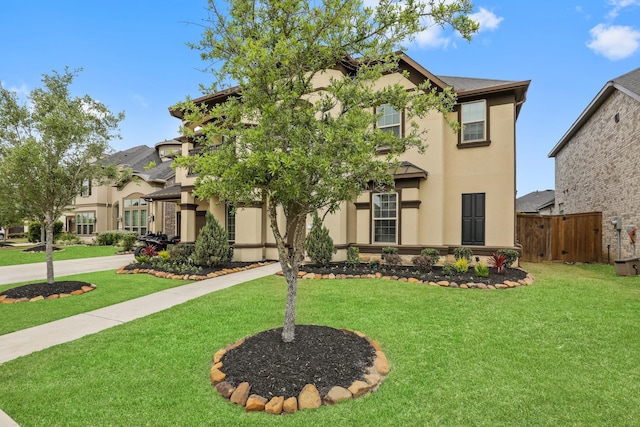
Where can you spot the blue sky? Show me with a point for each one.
(134, 59)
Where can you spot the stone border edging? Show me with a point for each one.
(507, 284)
(166, 275)
(309, 397)
(82, 290)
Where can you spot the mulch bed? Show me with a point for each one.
(41, 248)
(27, 292)
(511, 274)
(319, 355)
(202, 272)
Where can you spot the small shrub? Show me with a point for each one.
(481, 270)
(33, 235)
(108, 238)
(449, 269)
(164, 256)
(142, 259)
(212, 245)
(462, 265)
(353, 255)
(499, 262)
(423, 263)
(434, 254)
(374, 263)
(149, 251)
(128, 240)
(463, 252)
(389, 250)
(181, 252)
(68, 239)
(393, 259)
(511, 256)
(319, 244)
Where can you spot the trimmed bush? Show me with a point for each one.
(462, 265)
(389, 250)
(481, 270)
(462, 252)
(212, 245)
(393, 259)
(33, 235)
(511, 256)
(128, 240)
(319, 244)
(449, 269)
(353, 255)
(434, 254)
(423, 263)
(181, 253)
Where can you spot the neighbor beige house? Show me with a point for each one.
(123, 206)
(460, 192)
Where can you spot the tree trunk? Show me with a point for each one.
(50, 224)
(290, 259)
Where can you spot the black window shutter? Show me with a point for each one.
(473, 207)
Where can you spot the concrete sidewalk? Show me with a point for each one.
(38, 271)
(27, 341)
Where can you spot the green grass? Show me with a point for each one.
(16, 256)
(563, 351)
(110, 289)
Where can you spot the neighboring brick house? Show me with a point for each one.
(125, 206)
(597, 168)
(461, 192)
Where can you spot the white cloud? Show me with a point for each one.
(488, 20)
(618, 5)
(614, 41)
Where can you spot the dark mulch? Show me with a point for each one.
(203, 271)
(41, 248)
(513, 274)
(44, 289)
(319, 355)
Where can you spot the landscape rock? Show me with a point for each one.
(336, 394)
(241, 394)
(309, 397)
(255, 403)
(275, 405)
(225, 389)
(290, 405)
(358, 388)
(217, 376)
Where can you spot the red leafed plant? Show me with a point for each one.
(499, 261)
(149, 251)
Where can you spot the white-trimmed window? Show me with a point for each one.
(474, 121)
(389, 119)
(135, 215)
(85, 223)
(385, 218)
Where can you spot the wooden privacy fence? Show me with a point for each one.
(567, 238)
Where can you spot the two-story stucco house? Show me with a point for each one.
(123, 206)
(596, 162)
(460, 192)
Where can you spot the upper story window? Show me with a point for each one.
(389, 119)
(85, 191)
(474, 121)
(230, 222)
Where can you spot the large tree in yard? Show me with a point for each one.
(296, 147)
(49, 149)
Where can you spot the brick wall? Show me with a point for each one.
(598, 170)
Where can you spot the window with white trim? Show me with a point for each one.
(388, 119)
(385, 218)
(85, 223)
(85, 191)
(474, 121)
(135, 215)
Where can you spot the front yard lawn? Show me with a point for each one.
(110, 289)
(16, 255)
(563, 351)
